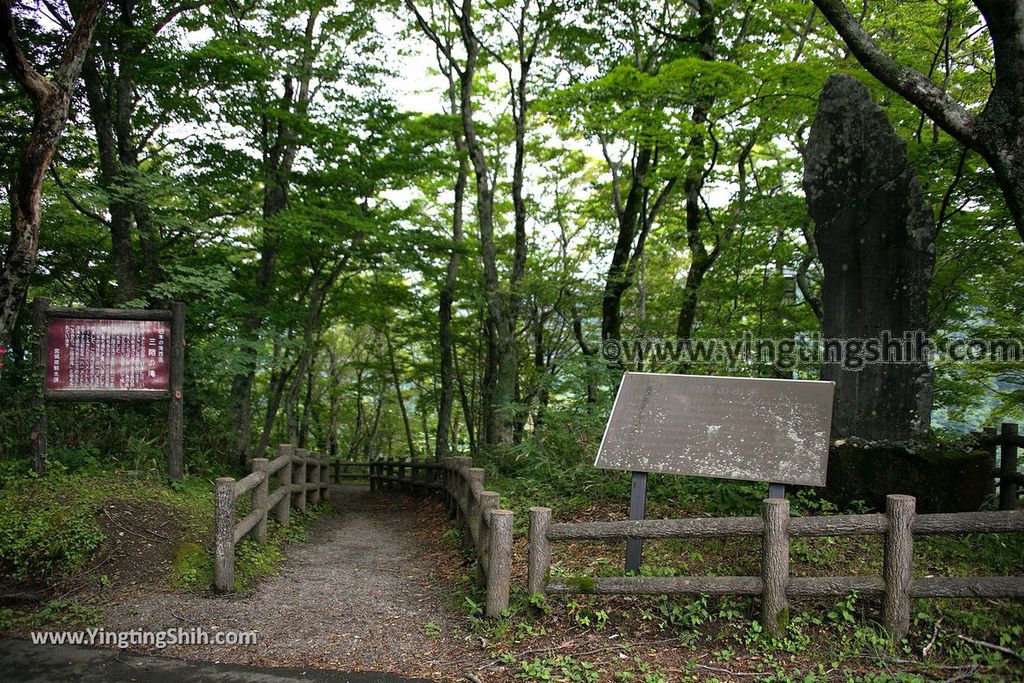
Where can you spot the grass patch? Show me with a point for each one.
(193, 563)
(66, 533)
(49, 525)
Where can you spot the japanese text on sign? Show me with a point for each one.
(122, 355)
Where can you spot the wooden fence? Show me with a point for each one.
(405, 474)
(301, 477)
(488, 528)
(896, 586)
(341, 470)
(1006, 442)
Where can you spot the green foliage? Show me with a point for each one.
(191, 568)
(47, 527)
(55, 613)
(254, 561)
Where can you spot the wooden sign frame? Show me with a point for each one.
(42, 312)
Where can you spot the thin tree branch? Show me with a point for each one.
(89, 213)
(949, 114)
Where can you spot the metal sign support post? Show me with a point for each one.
(637, 503)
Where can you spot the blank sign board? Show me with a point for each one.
(774, 430)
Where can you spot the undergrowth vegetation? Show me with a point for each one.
(650, 639)
(56, 540)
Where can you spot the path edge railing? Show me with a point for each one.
(487, 527)
(1005, 442)
(301, 477)
(775, 585)
(405, 474)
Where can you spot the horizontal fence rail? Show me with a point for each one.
(1005, 443)
(896, 586)
(488, 528)
(300, 477)
(407, 475)
(342, 469)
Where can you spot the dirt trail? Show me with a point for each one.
(358, 597)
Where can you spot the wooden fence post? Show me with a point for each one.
(897, 565)
(539, 550)
(457, 487)
(314, 478)
(489, 500)
(446, 483)
(453, 488)
(175, 406)
(284, 478)
(300, 478)
(775, 566)
(499, 563)
(992, 448)
(325, 478)
(474, 475)
(260, 498)
(462, 463)
(321, 468)
(39, 364)
(224, 535)
(1007, 467)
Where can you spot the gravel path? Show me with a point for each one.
(358, 596)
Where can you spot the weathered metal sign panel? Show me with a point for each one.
(773, 430)
(107, 355)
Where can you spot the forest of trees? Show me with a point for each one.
(413, 228)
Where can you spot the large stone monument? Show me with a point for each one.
(876, 240)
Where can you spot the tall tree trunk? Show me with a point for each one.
(371, 439)
(50, 98)
(444, 314)
(467, 405)
(277, 385)
(307, 404)
(334, 376)
(501, 363)
(401, 399)
(278, 162)
(112, 100)
(501, 368)
(628, 214)
(701, 259)
(112, 181)
(360, 431)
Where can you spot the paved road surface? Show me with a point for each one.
(21, 661)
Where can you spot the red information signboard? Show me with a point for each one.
(107, 355)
